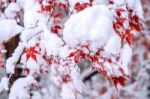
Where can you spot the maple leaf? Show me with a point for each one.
(48, 8)
(82, 54)
(55, 14)
(66, 78)
(94, 58)
(56, 28)
(135, 23)
(128, 37)
(118, 80)
(119, 11)
(80, 7)
(77, 6)
(31, 53)
(120, 21)
(72, 54)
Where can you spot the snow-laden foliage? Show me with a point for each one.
(9, 29)
(56, 35)
(139, 67)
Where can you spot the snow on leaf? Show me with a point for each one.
(10, 29)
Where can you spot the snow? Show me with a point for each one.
(12, 11)
(26, 5)
(4, 84)
(52, 43)
(36, 95)
(126, 55)
(86, 29)
(64, 52)
(11, 62)
(30, 32)
(21, 88)
(74, 88)
(113, 45)
(32, 66)
(68, 88)
(31, 15)
(10, 29)
(119, 2)
(136, 4)
(2, 16)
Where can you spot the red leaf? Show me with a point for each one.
(122, 81)
(56, 14)
(122, 37)
(27, 56)
(66, 78)
(122, 70)
(77, 6)
(119, 80)
(55, 29)
(119, 11)
(82, 54)
(72, 54)
(34, 57)
(128, 36)
(80, 7)
(76, 59)
(115, 80)
(135, 23)
(31, 52)
(94, 58)
(47, 8)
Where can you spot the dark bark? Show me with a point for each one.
(89, 76)
(11, 45)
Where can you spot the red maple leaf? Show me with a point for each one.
(135, 23)
(66, 78)
(80, 7)
(56, 28)
(31, 53)
(119, 81)
(72, 54)
(128, 37)
(119, 11)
